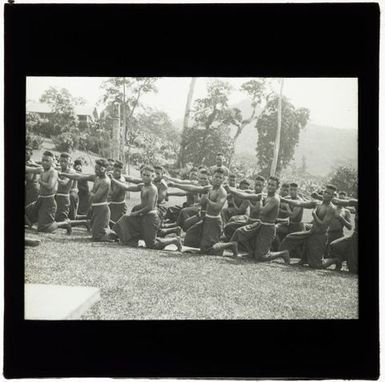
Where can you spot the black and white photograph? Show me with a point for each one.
(189, 176)
(198, 198)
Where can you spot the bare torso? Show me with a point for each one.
(271, 215)
(65, 188)
(214, 195)
(146, 193)
(45, 177)
(98, 183)
(321, 211)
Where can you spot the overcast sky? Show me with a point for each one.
(332, 101)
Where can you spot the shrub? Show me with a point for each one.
(64, 142)
(35, 141)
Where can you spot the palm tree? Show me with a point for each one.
(180, 161)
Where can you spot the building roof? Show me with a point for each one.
(39, 107)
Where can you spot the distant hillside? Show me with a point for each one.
(324, 147)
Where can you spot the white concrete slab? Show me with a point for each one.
(57, 302)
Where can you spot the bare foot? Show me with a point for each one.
(234, 249)
(32, 242)
(179, 244)
(286, 257)
(338, 266)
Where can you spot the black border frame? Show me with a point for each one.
(292, 40)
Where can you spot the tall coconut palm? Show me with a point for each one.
(278, 135)
(180, 162)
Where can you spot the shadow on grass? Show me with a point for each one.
(181, 255)
(324, 272)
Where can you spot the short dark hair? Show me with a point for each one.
(260, 178)
(331, 187)
(118, 164)
(244, 181)
(77, 162)
(157, 167)
(284, 185)
(111, 160)
(232, 175)
(102, 162)
(204, 171)
(343, 193)
(219, 171)
(147, 167)
(274, 178)
(220, 154)
(48, 154)
(201, 167)
(65, 155)
(294, 185)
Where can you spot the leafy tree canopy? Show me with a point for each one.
(293, 121)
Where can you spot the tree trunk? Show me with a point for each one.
(278, 135)
(180, 161)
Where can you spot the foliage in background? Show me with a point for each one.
(63, 117)
(210, 130)
(293, 120)
(345, 178)
(214, 121)
(33, 141)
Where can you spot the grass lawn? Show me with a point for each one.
(138, 284)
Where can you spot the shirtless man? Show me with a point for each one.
(220, 164)
(117, 195)
(293, 223)
(235, 205)
(205, 234)
(174, 211)
(74, 200)
(254, 205)
(338, 223)
(31, 180)
(44, 209)
(100, 214)
(188, 216)
(110, 166)
(63, 190)
(256, 238)
(144, 222)
(313, 241)
(283, 207)
(83, 193)
(346, 248)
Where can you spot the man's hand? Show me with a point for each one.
(227, 188)
(314, 214)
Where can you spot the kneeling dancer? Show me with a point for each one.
(144, 222)
(206, 233)
(256, 238)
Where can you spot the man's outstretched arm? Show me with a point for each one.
(131, 179)
(243, 195)
(300, 203)
(179, 181)
(126, 187)
(192, 188)
(88, 177)
(345, 202)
